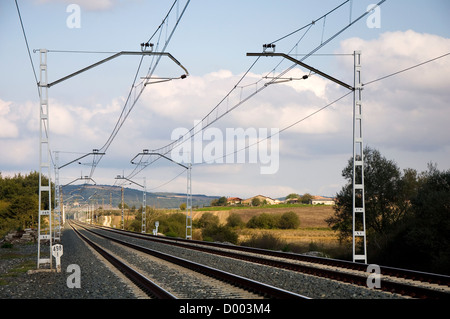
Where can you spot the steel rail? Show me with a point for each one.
(361, 280)
(432, 278)
(149, 287)
(252, 285)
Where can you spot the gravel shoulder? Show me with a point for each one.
(97, 280)
(26, 292)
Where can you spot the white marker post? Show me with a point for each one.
(156, 229)
(57, 252)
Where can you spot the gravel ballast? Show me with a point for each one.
(303, 284)
(100, 281)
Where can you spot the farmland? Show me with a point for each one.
(313, 227)
(313, 234)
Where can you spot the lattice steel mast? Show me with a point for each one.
(188, 191)
(45, 229)
(45, 215)
(144, 208)
(359, 215)
(358, 209)
(189, 203)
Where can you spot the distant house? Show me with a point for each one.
(262, 199)
(232, 201)
(320, 200)
(295, 200)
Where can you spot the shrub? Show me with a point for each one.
(135, 225)
(265, 241)
(173, 225)
(289, 220)
(172, 234)
(207, 219)
(264, 221)
(220, 233)
(235, 221)
(7, 245)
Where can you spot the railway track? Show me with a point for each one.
(242, 287)
(399, 281)
(148, 286)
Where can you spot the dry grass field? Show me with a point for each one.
(313, 228)
(313, 234)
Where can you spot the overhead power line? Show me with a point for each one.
(407, 69)
(28, 47)
(136, 89)
(310, 24)
(327, 106)
(222, 108)
(280, 131)
(46, 131)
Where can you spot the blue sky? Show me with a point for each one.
(405, 119)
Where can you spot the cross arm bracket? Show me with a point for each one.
(115, 56)
(272, 54)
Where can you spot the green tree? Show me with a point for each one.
(23, 210)
(306, 198)
(292, 196)
(222, 201)
(431, 209)
(19, 201)
(256, 201)
(386, 200)
(423, 238)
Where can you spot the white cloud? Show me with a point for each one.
(408, 111)
(19, 154)
(7, 128)
(277, 106)
(405, 116)
(188, 99)
(73, 128)
(394, 51)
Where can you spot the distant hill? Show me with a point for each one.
(104, 194)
